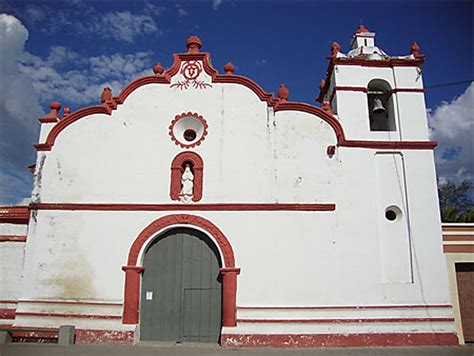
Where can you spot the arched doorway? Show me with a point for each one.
(180, 298)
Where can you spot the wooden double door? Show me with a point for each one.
(181, 289)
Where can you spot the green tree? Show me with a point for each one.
(455, 202)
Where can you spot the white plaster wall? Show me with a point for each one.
(11, 267)
(251, 155)
(11, 261)
(126, 157)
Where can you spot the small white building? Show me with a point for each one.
(194, 206)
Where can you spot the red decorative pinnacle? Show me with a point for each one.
(106, 95)
(158, 69)
(66, 112)
(55, 105)
(193, 44)
(335, 49)
(229, 68)
(53, 115)
(322, 83)
(326, 107)
(283, 93)
(361, 29)
(415, 50)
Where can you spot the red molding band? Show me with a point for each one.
(66, 315)
(337, 340)
(324, 307)
(65, 302)
(186, 207)
(12, 238)
(14, 215)
(349, 320)
(458, 248)
(7, 314)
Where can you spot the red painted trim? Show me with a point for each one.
(48, 120)
(11, 238)
(132, 294)
(14, 215)
(458, 248)
(179, 142)
(365, 90)
(452, 228)
(66, 315)
(348, 320)
(391, 145)
(229, 294)
(178, 219)
(67, 303)
(177, 170)
(458, 238)
(324, 307)
(7, 313)
(408, 90)
(186, 207)
(337, 340)
(8, 301)
(132, 271)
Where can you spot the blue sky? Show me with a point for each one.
(72, 49)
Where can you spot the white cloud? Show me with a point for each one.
(216, 4)
(451, 124)
(83, 84)
(19, 109)
(83, 19)
(122, 26)
(181, 12)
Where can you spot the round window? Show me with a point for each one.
(188, 129)
(189, 135)
(393, 213)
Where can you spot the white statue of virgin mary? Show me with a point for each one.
(187, 185)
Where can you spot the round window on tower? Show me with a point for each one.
(393, 213)
(188, 129)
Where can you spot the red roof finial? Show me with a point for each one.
(335, 49)
(361, 29)
(66, 112)
(53, 115)
(327, 108)
(229, 68)
(158, 69)
(55, 106)
(193, 44)
(415, 49)
(283, 93)
(106, 95)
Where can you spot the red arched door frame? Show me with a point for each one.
(133, 270)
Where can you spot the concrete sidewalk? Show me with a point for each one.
(18, 349)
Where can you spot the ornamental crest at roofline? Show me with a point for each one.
(191, 76)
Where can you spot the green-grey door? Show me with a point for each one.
(181, 289)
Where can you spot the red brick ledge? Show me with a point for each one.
(12, 238)
(83, 336)
(14, 215)
(337, 340)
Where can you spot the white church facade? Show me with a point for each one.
(194, 206)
